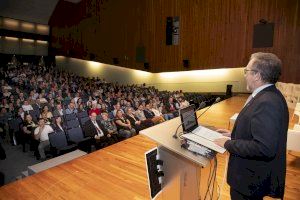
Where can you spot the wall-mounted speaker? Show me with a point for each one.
(92, 56)
(263, 34)
(146, 65)
(186, 63)
(169, 30)
(115, 61)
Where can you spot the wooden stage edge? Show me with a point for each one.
(119, 172)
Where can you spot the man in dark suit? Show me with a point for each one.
(257, 147)
(98, 133)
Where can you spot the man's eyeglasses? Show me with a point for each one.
(249, 70)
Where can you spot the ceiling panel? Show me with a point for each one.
(38, 11)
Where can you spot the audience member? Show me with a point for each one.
(41, 134)
(71, 109)
(94, 129)
(110, 126)
(123, 125)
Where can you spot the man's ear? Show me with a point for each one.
(257, 77)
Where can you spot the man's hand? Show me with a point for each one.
(221, 141)
(224, 132)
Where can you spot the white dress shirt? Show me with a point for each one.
(99, 131)
(44, 134)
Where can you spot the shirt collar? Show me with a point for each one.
(257, 90)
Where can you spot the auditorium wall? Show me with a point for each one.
(214, 80)
(213, 34)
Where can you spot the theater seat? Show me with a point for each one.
(58, 141)
(76, 136)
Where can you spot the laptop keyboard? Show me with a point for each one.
(206, 133)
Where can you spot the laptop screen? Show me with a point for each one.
(188, 118)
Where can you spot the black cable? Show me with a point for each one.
(202, 105)
(208, 181)
(213, 175)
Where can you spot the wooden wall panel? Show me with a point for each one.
(213, 33)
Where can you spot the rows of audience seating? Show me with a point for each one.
(52, 112)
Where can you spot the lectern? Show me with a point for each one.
(185, 173)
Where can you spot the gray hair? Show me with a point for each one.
(268, 66)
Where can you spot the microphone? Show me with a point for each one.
(202, 105)
(217, 100)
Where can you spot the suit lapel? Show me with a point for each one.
(243, 111)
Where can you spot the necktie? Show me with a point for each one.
(99, 131)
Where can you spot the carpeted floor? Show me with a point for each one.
(16, 161)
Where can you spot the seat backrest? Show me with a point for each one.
(82, 114)
(83, 120)
(58, 139)
(69, 117)
(72, 123)
(293, 138)
(75, 134)
(14, 124)
(35, 113)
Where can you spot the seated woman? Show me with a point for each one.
(156, 111)
(46, 114)
(58, 124)
(46, 119)
(110, 126)
(81, 107)
(27, 136)
(103, 108)
(123, 125)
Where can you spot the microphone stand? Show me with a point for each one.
(202, 105)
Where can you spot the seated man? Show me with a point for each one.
(149, 114)
(41, 134)
(135, 122)
(97, 132)
(71, 109)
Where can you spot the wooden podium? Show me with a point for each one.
(185, 173)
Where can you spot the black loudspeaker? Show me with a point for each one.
(229, 90)
(140, 54)
(146, 65)
(263, 34)
(186, 63)
(169, 30)
(92, 56)
(115, 61)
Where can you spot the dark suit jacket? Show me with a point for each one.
(90, 129)
(149, 114)
(257, 148)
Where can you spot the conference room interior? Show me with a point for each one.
(142, 57)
